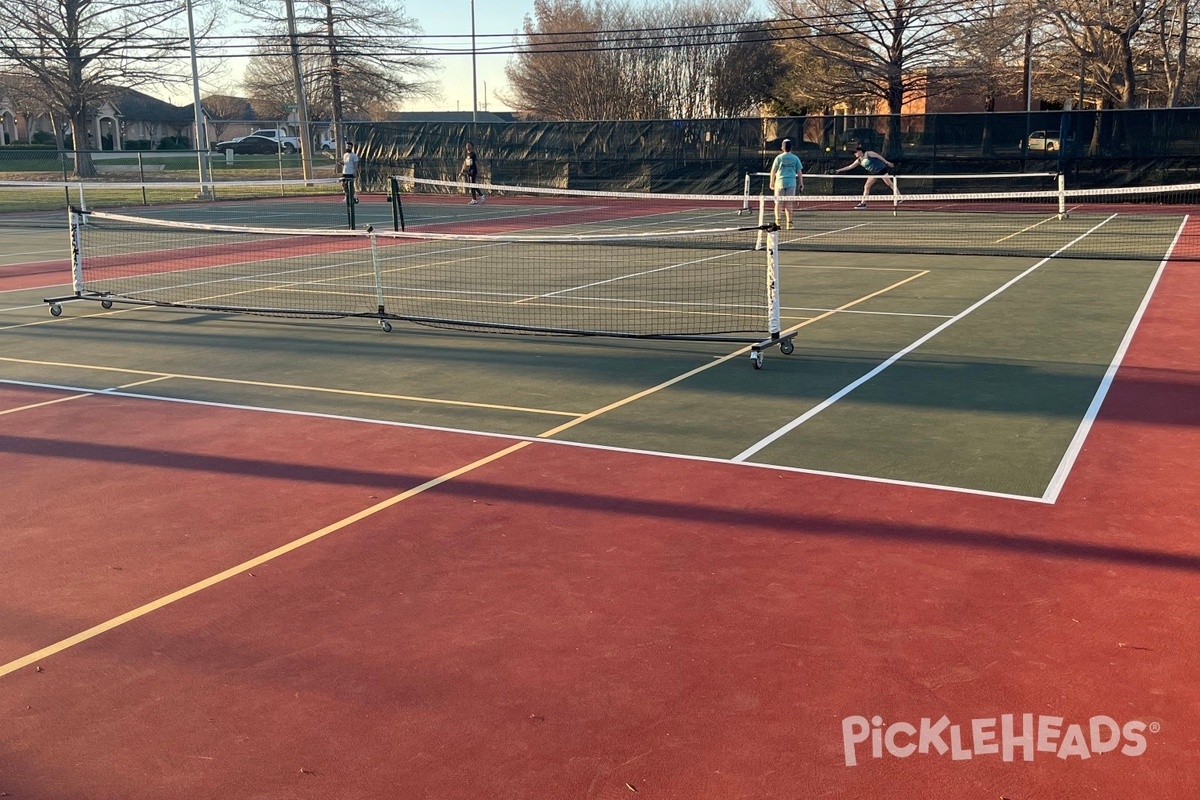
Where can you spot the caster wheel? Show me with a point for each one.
(756, 358)
(106, 303)
(387, 326)
(55, 310)
(786, 347)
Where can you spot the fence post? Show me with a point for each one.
(142, 175)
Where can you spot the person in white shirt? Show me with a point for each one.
(349, 170)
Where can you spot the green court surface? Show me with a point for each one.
(990, 403)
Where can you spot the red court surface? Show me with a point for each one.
(33, 275)
(561, 622)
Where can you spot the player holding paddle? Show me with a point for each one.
(877, 168)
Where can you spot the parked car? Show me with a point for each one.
(291, 144)
(249, 145)
(1043, 142)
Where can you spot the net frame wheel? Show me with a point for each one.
(786, 347)
(387, 326)
(106, 303)
(756, 358)
(56, 309)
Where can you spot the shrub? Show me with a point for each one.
(174, 143)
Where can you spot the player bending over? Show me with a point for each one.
(877, 168)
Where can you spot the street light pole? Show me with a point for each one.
(474, 79)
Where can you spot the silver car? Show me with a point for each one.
(1043, 142)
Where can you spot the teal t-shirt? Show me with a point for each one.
(786, 167)
(872, 164)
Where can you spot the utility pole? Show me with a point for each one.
(301, 102)
(201, 134)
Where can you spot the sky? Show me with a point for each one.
(495, 23)
(453, 18)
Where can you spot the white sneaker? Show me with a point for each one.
(472, 203)
(482, 199)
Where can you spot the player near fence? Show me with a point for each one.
(877, 168)
(470, 173)
(350, 162)
(787, 176)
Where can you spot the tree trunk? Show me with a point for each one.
(56, 124)
(84, 168)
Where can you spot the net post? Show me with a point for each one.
(76, 219)
(377, 265)
(82, 204)
(895, 195)
(746, 194)
(348, 191)
(773, 293)
(762, 222)
(397, 209)
(1062, 195)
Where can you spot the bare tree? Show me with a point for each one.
(356, 54)
(223, 109)
(587, 59)
(988, 45)
(883, 49)
(1171, 22)
(1109, 35)
(74, 49)
(749, 74)
(31, 102)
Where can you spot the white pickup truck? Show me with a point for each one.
(289, 144)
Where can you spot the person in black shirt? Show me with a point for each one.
(470, 173)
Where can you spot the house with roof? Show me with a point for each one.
(120, 118)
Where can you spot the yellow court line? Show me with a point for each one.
(1023, 230)
(645, 392)
(143, 383)
(45, 403)
(268, 385)
(220, 577)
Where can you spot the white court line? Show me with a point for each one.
(36, 288)
(537, 439)
(845, 390)
(1085, 425)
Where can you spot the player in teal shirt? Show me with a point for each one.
(877, 170)
(787, 174)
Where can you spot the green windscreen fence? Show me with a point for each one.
(1092, 149)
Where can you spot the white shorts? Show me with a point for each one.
(785, 191)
